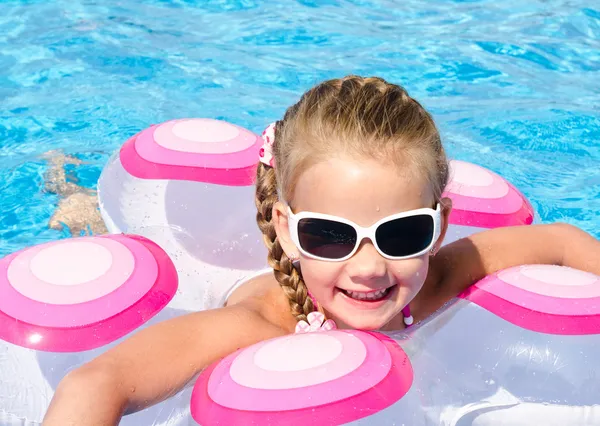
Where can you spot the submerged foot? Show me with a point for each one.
(77, 208)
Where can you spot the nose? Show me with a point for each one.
(366, 264)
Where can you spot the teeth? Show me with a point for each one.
(373, 295)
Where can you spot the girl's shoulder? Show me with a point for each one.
(264, 295)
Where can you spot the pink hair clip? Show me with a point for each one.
(266, 152)
(316, 322)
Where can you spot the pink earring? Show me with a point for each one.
(408, 318)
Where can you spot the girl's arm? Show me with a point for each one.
(154, 364)
(466, 261)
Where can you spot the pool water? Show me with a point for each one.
(514, 85)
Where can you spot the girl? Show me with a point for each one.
(348, 192)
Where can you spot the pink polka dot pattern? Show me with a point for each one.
(544, 298)
(285, 381)
(200, 150)
(81, 293)
(481, 198)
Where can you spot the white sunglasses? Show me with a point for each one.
(400, 236)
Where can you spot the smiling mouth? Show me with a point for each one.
(368, 296)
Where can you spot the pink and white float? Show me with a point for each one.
(521, 344)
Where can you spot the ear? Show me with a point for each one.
(280, 222)
(446, 205)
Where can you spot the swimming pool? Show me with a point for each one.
(513, 85)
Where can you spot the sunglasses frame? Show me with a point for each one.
(362, 232)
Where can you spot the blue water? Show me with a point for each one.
(513, 85)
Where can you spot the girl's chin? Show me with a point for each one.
(363, 324)
(360, 320)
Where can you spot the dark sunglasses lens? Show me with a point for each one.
(405, 236)
(326, 238)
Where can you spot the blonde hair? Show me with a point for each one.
(361, 117)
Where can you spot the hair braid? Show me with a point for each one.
(286, 274)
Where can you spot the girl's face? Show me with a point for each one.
(362, 191)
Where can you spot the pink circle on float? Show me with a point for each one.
(245, 154)
(470, 180)
(553, 281)
(141, 157)
(509, 203)
(205, 130)
(291, 355)
(476, 205)
(540, 302)
(538, 312)
(289, 362)
(71, 271)
(490, 219)
(559, 275)
(202, 136)
(375, 367)
(87, 337)
(54, 264)
(540, 322)
(379, 396)
(18, 306)
(470, 174)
